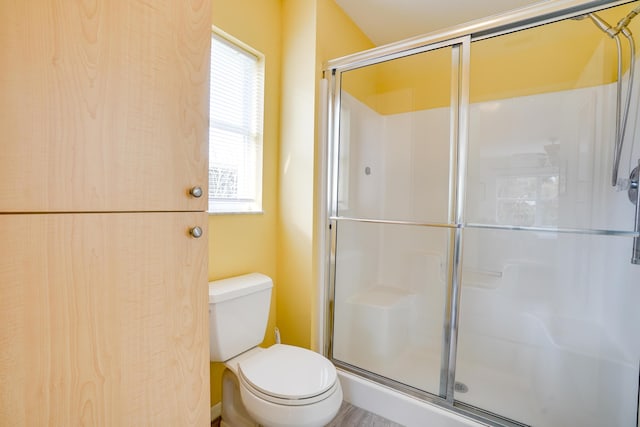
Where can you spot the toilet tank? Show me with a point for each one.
(238, 314)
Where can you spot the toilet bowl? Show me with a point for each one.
(282, 385)
(278, 386)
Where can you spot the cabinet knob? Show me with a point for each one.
(196, 232)
(196, 192)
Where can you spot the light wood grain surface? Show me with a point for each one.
(104, 104)
(103, 320)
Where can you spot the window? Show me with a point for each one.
(235, 126)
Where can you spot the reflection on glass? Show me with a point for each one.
(394, 139)
(527, 200)
(542, 124)
(389, 300)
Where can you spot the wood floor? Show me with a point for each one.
(349, 416)
(353, 416)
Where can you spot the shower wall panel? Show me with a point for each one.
(416, 165)
(361, 160)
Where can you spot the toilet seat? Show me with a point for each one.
(288, 375)
(287, 402)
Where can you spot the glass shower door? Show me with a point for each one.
(549, 320)
(393, 217)
(486, 268)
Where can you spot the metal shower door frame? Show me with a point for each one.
(458, 134)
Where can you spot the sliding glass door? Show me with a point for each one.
(480, 255)
(548, 291)
(394, 215)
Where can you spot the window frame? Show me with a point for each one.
(252, 140)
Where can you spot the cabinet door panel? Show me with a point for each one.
(104, 105)
(103, 320)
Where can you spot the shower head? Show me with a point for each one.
(604, 26)
(625, 21)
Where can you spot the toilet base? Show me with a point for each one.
(234, 413)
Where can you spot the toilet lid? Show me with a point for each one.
(288, 372)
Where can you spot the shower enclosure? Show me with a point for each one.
(478, 256)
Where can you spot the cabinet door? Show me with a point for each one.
(104, 105)
(103, 320)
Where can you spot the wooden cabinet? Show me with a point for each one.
(103, 291)
(104, 321)
(104, 105)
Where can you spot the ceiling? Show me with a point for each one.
(386, 21)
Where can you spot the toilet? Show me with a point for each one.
(279, 386)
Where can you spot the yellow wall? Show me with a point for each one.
(295, 220)
(247, 243)
(314, 31)
(411, 83)
(565, 55)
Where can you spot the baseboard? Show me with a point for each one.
(216, 410)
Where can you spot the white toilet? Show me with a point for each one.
(280, 386)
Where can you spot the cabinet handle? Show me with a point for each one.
(196, 232)
(196, 192)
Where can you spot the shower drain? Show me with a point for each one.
(460, 387)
